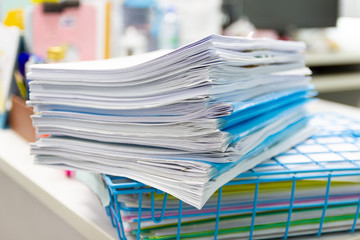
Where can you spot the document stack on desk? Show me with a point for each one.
(185, 121)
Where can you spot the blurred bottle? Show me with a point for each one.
(134, 42)
(139, 21)
(169, 30)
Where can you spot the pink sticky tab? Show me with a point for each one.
(69, 173)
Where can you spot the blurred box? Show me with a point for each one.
(20, 120)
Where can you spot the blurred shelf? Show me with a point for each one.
(332, 59)
(337, 82)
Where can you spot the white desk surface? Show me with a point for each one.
(68, 198)
(74, 202)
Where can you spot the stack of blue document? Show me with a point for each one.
(185, 121)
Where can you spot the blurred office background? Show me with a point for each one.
(56, 31)
(331, 29)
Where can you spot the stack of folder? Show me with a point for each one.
(311, 189)
(236, 212)
(185, 121)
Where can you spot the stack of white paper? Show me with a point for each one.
(185, 121)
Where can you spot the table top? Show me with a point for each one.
(72, 201)
(68, 198)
